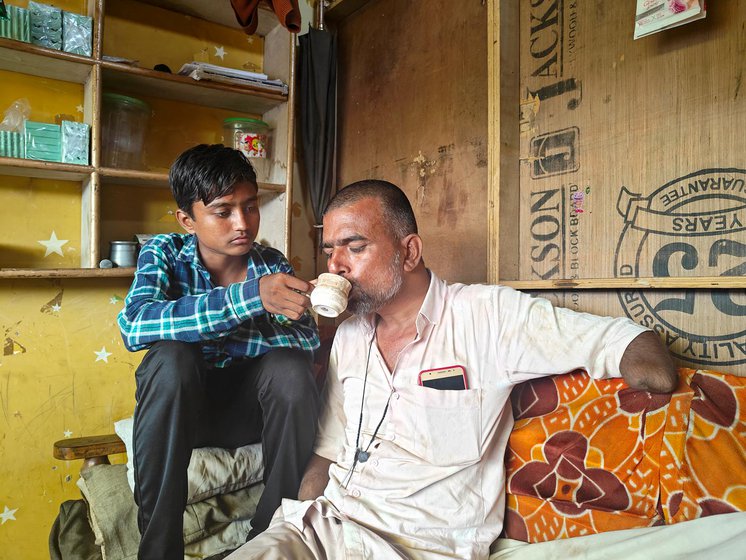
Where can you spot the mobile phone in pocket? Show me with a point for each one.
(452, 378)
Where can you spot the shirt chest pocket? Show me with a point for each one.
(441, 427)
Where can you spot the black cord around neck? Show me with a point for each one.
(362, 399)
(360, 454)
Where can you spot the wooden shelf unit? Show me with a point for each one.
(135, 177)
(26, 58)
(97, 75)
(123, 272)
(142, 81)
(43, 169)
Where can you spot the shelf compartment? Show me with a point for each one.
(142, 81)
(125, 272)
(43, 169)
(156, 179)
(25, 58)
(218, 12)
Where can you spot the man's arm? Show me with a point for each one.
(647, 365)
(315, 478)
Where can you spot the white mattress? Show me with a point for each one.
(720, 537)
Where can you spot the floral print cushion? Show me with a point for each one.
(590, 456)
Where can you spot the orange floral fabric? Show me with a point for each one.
(591, 456)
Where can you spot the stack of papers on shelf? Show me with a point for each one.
(653, 16)
(120, 60)
(205, 71)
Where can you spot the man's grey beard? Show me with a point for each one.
(363, 302)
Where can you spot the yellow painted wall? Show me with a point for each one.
(24, 201)
(64, 371)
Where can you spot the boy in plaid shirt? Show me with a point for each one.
(229, 345)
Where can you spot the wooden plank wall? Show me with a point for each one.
(633, 164)
(413, 111)
(632, 152)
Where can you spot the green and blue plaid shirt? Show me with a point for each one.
(173, 298)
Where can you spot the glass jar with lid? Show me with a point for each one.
(250, 136)
(124, 123)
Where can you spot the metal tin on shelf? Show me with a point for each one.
(123, 253)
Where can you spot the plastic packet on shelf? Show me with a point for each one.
(75, 142)
(15, 115)
(16, 25)
(42, 141)
(45, 25)
(77, 33)
(12, 144)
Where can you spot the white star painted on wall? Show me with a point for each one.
(220, 52)
(8, 515)
(56, 307)
(68, 433)
(79, 108)
(102, 355)
(53, 245)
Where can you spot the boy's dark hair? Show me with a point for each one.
(206, 172)
(395, 205)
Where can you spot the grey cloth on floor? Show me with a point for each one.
(211, 526)
(71, 537)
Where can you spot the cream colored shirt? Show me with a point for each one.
(434, 482)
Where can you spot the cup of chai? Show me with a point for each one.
(329, 296)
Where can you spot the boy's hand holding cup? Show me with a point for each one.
(284, 294)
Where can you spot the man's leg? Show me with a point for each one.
(318, 533)
(169, 405)
(289, 399)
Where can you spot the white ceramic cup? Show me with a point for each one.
(329, 296)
